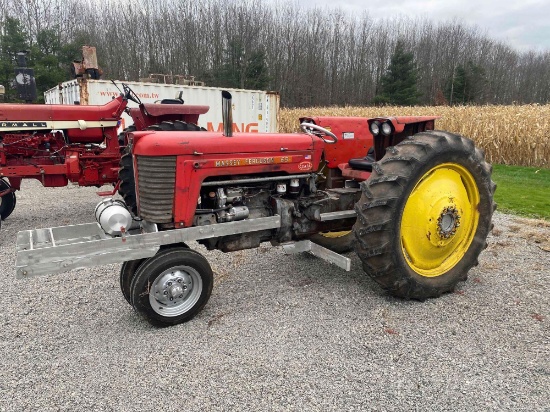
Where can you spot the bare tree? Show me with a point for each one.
(315, 56)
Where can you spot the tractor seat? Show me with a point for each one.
(363, 163)
(171, 101)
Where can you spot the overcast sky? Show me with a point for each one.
(523, 24)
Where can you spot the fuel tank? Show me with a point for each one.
(84, 124)
(58, 112)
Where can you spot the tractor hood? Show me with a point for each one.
(199, 143)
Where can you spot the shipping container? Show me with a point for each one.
(253, 110)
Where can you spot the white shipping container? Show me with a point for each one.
(253, 110)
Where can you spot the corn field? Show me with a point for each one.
(513, 135)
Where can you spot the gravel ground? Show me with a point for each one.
(279, 332)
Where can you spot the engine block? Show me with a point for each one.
(36, 145)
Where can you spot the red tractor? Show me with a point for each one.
(415, 203)
(60, 143)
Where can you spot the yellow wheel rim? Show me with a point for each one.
(440, 219)
(333, 235)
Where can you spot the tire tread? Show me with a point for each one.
(383, 195)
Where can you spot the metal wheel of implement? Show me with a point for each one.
(424, 214)
(127, 187)
(7, 202)
(172, 286)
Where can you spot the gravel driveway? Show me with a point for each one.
(279, 332)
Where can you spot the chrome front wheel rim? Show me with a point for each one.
(175, 291)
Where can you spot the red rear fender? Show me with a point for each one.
(149, 114)
(400, 122)
(164, 109)
(355, 138)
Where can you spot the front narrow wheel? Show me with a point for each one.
(172, 286)
(425, 214)
(127, 272)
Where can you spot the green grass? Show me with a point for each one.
(523, 190)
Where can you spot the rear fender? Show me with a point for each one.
(402, 127)
(400, 123)
(149, 114)
(355, 137)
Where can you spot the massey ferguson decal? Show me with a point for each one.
(254, 161)
(305, 166)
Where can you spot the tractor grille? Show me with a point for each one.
(156, 182)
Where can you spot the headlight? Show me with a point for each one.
(375, 128)
(386, 128)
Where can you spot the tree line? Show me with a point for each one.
(312, 56)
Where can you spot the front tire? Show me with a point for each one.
(7, 202)
(425, 214)
(172, 286)
(127, 272)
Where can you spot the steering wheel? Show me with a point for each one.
(307, 127)
(130, 94)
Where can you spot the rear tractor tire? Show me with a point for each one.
(127, 187)
(424, 214)
(122, 136)
(176, 126)
(172, 286)
(7, 202)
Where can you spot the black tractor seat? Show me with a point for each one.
(363, 163)
(171, 101)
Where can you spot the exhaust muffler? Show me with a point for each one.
(227, 113)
